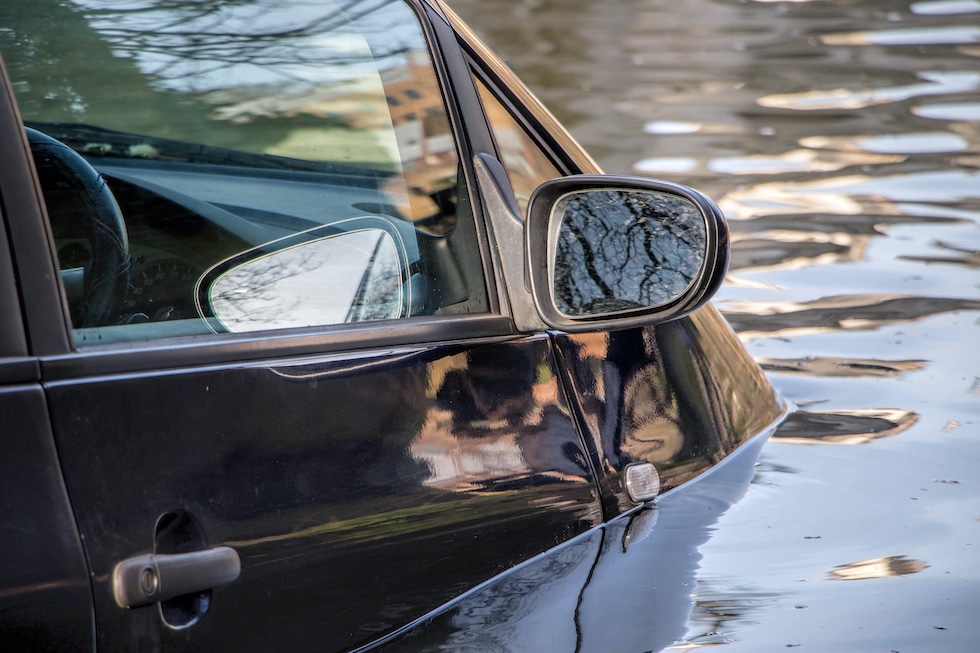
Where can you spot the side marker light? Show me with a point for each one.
(642, 482)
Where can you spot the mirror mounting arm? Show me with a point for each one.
(507, 238)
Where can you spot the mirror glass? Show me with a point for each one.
(347, 277)
(623, 250)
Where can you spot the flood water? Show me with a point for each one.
(842, 140)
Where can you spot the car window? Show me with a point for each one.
(221, 167)
(526, 164)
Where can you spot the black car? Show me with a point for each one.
(319, 332)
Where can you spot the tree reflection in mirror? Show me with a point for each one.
(621, 250)
(348, 277)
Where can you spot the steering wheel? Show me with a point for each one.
(74, 190)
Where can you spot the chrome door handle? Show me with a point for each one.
(151, 578)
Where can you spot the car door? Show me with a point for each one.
(326, 475)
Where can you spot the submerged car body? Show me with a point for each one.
(318, 331)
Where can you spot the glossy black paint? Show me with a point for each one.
(673, 395)
(360, 492)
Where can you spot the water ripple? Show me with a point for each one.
(834, 367)
(878, 568)
(965, 111)
(961, 255)
(907, 143)
(837, 313)
(936, 83)
(853, 194)
(949, 35)
(945, 7)
(795, 161)
(859, 426)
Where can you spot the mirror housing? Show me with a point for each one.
(612, 252)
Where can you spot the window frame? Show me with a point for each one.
(539, 123)
(521, 123)
(531, 126)
(43, 297)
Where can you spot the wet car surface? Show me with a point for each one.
(842, 141)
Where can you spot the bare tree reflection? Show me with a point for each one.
(213, 37)
(349, 277)
(626, 249)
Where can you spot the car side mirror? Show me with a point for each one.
(350, 271)
(609, 252)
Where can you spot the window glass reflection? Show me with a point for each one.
(625, 250)
(348, 277)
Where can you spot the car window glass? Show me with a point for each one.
(527, 166)
(179, 142)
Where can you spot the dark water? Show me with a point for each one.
(842, 139)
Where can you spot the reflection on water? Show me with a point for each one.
(843, 426)
(842, 141)
(949, 111)
(854, 194)
(921, 143)
(844, 312)
(935, 83)
(914, 36)
(966, 256)
(878, 568)
(840, 366)
(792, 161)
(676, 127)
(717, 611)
(945, 7)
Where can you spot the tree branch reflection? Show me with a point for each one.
(194, 39)
(620, 250)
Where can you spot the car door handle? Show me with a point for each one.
(147, 579)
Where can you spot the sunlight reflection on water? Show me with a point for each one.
(952, 34)
(945, 7)
(920, 143)
(936, 83)
(949, 111)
